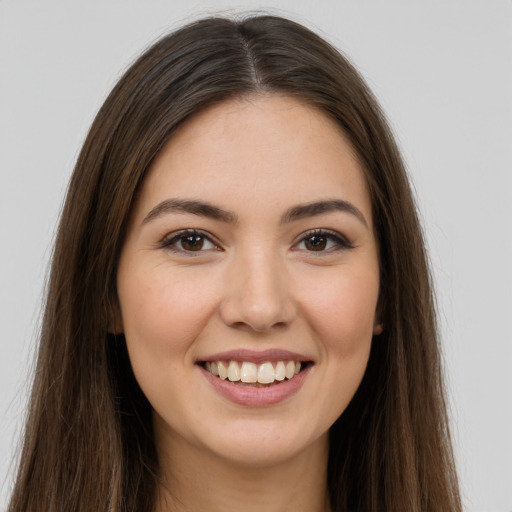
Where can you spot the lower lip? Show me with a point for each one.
(256, 396)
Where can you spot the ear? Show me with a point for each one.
(378, 326)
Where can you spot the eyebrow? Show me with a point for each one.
(199, 208)
(319, 207)
(294, 213)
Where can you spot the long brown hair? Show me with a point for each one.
(88, 442)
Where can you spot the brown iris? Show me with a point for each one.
(316, 243)
(192, 242)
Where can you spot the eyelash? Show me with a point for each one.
(172, 240)
(340, 243)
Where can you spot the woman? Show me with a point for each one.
(239, 313)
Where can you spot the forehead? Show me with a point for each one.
(264, 150)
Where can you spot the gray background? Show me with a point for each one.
(442, 71)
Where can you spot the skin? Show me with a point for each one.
(255, 284)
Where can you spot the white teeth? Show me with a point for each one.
(265, 373)
(249, 372)
(280, 371)
(223, 371)
(233, 371)
(290, 369)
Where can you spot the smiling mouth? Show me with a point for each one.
(256, 375)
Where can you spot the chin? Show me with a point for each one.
(262, 445)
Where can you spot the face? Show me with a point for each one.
(248, 281)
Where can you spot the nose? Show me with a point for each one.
(258, 294)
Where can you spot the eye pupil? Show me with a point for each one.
(192, 242)
(316, 243)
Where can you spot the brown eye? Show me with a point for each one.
(323, 241)
(188, 242)
(192, 242)
(316, 243)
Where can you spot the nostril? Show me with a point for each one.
(260, 304)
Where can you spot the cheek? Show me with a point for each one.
(163, 314)
(341, 314)
(342, 310)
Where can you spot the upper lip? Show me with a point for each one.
(255, 356)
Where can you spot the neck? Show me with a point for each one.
(193, 480)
